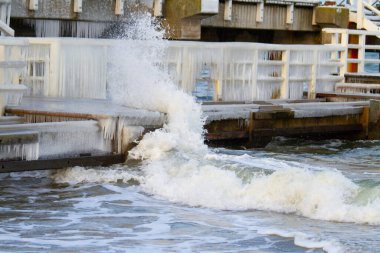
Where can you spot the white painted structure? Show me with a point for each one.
(12, 68)
(365, 14)
(341, 37)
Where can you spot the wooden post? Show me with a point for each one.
(228, 10)
(344, 54)
(290, 13)
(260, 12)
(361, 52)
(33, 5)
(314, 22)
(314, 69)
(157, 10)
(119, 7)
(78, 6)
(284, 93)
(359, 14)
(254, 73)
(53, 86)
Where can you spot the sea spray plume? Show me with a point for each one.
(136, 80)
(174, 165)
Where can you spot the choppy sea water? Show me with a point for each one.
(111, 210)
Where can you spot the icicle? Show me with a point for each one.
(108, 127)
(20, 151)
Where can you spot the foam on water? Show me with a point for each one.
(176, 165)
(304, 240)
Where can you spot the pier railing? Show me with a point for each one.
(251, 71)
(235, 71)
(358, 54)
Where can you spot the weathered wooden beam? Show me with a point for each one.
(100, 160)
(228, 135)
(347, 95)
(20, 111)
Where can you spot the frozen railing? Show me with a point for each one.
(359, 57)
(5, 16)
(12, 69)
(251, 71)
(237, 71)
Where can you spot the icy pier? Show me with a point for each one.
(255, 124)
(45, 133)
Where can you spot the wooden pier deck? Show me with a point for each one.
(250, 124)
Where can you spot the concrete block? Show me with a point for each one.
(332, 16)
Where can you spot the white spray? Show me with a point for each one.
(174, 163)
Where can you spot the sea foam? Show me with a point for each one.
(175, 162)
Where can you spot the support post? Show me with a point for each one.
(8, 14)
(290, 13)
(228, 10)
(284, 93)
(78, 6)
(5, 29)
(344, 53)
(55, 89)
(158, 8)
(33, 5)
(254, 73)
(314, 71)
(359, 14)
(313, 20)
(2, 58)
(119, 7)
(361, 52)
(260, 12)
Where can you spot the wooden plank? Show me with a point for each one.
(308, 130)
(100, 160)
(20, 111)
(347, 95)
(228, 135)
